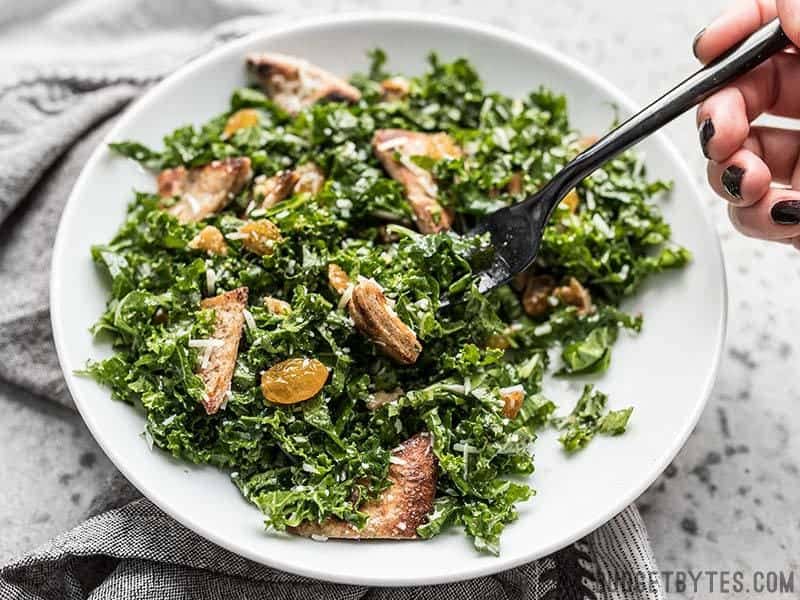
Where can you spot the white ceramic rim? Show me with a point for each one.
(497, 564)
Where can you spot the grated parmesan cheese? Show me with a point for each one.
(512, 389)
(543, 329)
(455, 388)
(206, 343)
(386, 215)
(248, 318)
(226, 398)
(211, 281)
(466, 448)
(392, 143)
(347, 295)
(501, 138)
(602, 226)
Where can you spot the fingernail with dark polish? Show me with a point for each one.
(732, 181)
(706, 132)
(786, 212)
(697, 41)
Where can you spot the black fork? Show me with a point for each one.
(516, 231)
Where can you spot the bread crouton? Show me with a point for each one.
(402, 507)
(269, 191)
(217, 369)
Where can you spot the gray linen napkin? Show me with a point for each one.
(50, 121)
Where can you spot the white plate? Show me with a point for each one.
(666, 373)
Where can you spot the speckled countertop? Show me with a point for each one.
(728, 502)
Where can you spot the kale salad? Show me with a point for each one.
(274, 307)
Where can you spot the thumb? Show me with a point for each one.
(789, 14)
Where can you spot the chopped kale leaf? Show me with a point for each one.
(477, 383)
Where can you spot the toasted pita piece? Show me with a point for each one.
(218, 370)
(402, 507)
(205, 190)
(241, 119)
(418, 183)
(310, 179)
(210, 240)
(293, 83)
(269, 191)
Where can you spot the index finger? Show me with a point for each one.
(732, 26)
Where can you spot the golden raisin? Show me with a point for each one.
(211, 240)
(512, 402)
(260, 236)
(293, 380)
(498, 341)
(571, 201)
(246, 117)
(337, 278)
(276, 306)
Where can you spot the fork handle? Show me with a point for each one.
(740, 59)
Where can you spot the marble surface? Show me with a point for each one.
(729, 500)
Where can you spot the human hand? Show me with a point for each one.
(756, 169)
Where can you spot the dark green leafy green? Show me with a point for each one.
(588, 418)
(323, 457)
